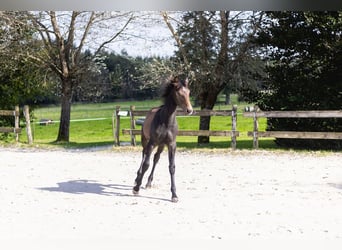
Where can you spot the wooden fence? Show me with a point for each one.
(16, 129)
(292, 134)
(132, 131)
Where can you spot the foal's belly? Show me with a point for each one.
(163, 134)
(160, 133)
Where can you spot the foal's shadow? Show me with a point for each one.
(335, 185)
(93, 187)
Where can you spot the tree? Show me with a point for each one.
(213, 46)
(153, 72)
(65, 35)
(21, 81)
(127, 76)
(303, 54)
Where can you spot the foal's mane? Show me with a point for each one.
(170, 85)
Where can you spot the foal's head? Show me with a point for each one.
(181, 94)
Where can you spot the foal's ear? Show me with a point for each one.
(175, 82)
(177, 85)
(174, 79)
(186, 82)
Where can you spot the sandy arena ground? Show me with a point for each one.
(223, 195)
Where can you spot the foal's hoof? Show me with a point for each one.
(135, 192)
(174, 199)
(148, 186)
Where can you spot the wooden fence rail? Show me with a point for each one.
(16, 129)
(292, 134)
(132, 131)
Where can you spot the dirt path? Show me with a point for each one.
(225, 195)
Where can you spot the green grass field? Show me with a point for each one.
(91, 125)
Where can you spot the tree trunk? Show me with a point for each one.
(208, 103)
(227, 100)
(204, 125)
(209, 95)
(64, 125)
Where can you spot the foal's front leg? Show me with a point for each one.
(145, 163)
(172, 170)
(155, 161)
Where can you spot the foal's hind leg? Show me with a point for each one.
(172, 169)
(155, 161)
(145, 163)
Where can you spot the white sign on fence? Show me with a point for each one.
(123, 113)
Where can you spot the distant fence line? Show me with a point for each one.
(132, 131)
(255, 113)
(233, 133)
(292, 134)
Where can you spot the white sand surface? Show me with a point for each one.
(224, 195)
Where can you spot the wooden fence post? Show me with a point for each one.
(131, 115)
(16, 123)
(234, 121)
(28, 124)
(116, 124)
(255, 128)
(113, 126)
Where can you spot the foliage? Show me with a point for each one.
(215, 47)
(93, 81)
(129, 77)
(154, 72)
(203, 35)
(21, 80)
(304, 53)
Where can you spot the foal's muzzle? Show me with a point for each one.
(189, 111)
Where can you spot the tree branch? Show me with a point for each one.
(60, 44)
(71, 35)
(246, 45)
(44, 33)
(176, 37)
(84, 36)
(115, 36)
(223, 53)
(44, 62)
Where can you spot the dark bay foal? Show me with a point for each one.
(160, 129)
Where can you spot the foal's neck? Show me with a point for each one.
(168, 110)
